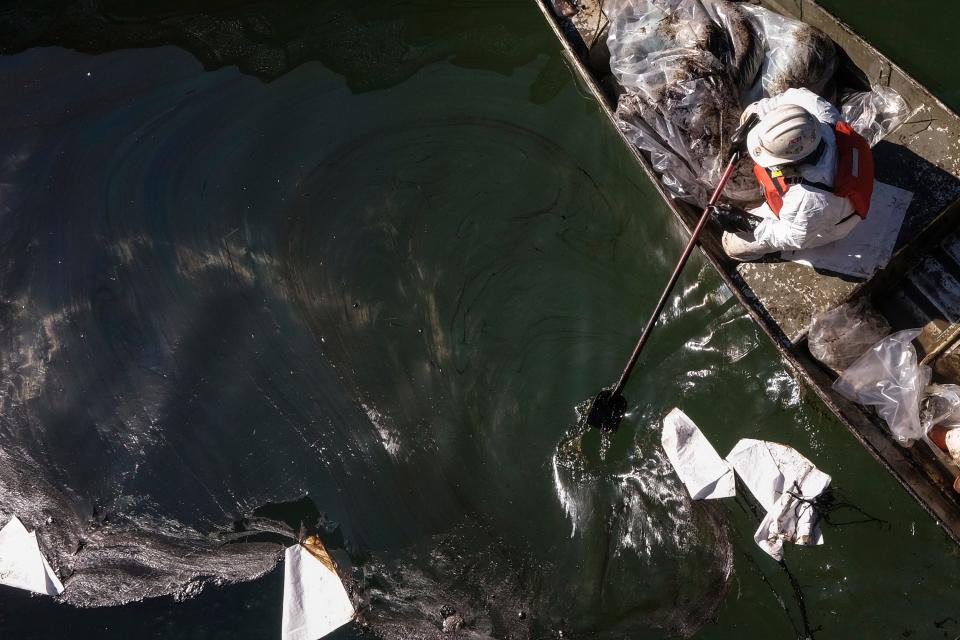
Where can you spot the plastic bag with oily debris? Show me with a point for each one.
(680, 65)
(875, 113)
(741, 48)
(940, 405)
(687, 68)
(838, 337)
(680, 101)
(796, 54)
(889, 378)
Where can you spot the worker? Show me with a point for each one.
(816, 174)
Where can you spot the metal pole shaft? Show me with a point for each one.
(673, 278)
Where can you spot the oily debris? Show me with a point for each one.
(692, 98)
(564, 8)
(746, 46)
(669, 26)
(812, 59)
(687, 68)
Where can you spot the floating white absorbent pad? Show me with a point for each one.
(783, 482)
(315, 601)
(22, 564)
(705, 474)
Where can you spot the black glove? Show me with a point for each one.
(731, 219)
(738, 142)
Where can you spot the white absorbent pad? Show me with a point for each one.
(869, 246)
(784, 483)
(701, 469)
(315, 601)
(22, 564)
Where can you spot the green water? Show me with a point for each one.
(919, 36)
(435, 223)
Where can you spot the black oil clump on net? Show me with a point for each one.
(831, 501)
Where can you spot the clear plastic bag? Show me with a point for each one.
(675, 62)
(687, 68)
(940, 405)
(889, 378)
(875, 113)
(796, 54)
(745, 51)
(838, 337)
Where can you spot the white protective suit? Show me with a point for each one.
(810, 216)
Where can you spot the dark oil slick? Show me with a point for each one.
(364, 261)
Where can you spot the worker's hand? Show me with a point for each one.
(732, 219)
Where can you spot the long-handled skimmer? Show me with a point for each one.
(609, 406)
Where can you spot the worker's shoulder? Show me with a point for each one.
(815, 104)
(799, 93)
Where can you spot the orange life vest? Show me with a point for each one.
(854, 174)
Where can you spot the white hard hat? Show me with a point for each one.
(785, 135)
